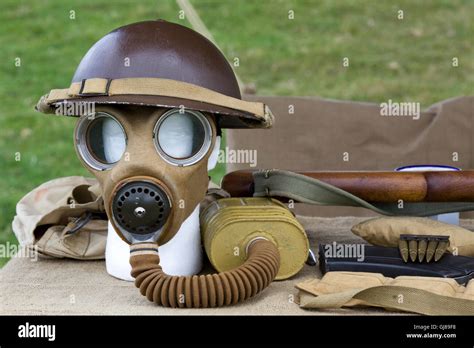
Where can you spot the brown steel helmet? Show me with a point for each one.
(158, 63)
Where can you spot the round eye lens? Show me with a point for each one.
(183, 137)
(106, 140)
(101, 141)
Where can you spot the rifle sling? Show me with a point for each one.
(281, 183)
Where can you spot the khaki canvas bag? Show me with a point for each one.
(63, 218)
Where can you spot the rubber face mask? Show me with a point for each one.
(151, 165)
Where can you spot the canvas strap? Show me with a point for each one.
(281, 183)
(403, 298)
(156, 87)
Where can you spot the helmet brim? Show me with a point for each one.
(230, 112)
(225, 117)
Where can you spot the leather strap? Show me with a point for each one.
(281, 183)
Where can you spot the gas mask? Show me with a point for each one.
(151, 164)
(150, 142)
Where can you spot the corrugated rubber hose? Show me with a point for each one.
(210, 290)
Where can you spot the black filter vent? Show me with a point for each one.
(141, 207)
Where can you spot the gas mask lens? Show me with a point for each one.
(101, 140)
(182, 137)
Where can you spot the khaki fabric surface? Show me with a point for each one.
(63, 287)
(59, 286)
(320, 132)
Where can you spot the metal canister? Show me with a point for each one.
(230, 225)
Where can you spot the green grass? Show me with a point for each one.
(407, 59)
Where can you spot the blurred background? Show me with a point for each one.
(407, 59)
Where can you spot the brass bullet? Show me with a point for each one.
(441, 249)
(430, 250)
(403, 248)
(413, 249)
(422, 245)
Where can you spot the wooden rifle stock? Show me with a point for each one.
(378, 187)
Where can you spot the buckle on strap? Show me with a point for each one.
(94, 87)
